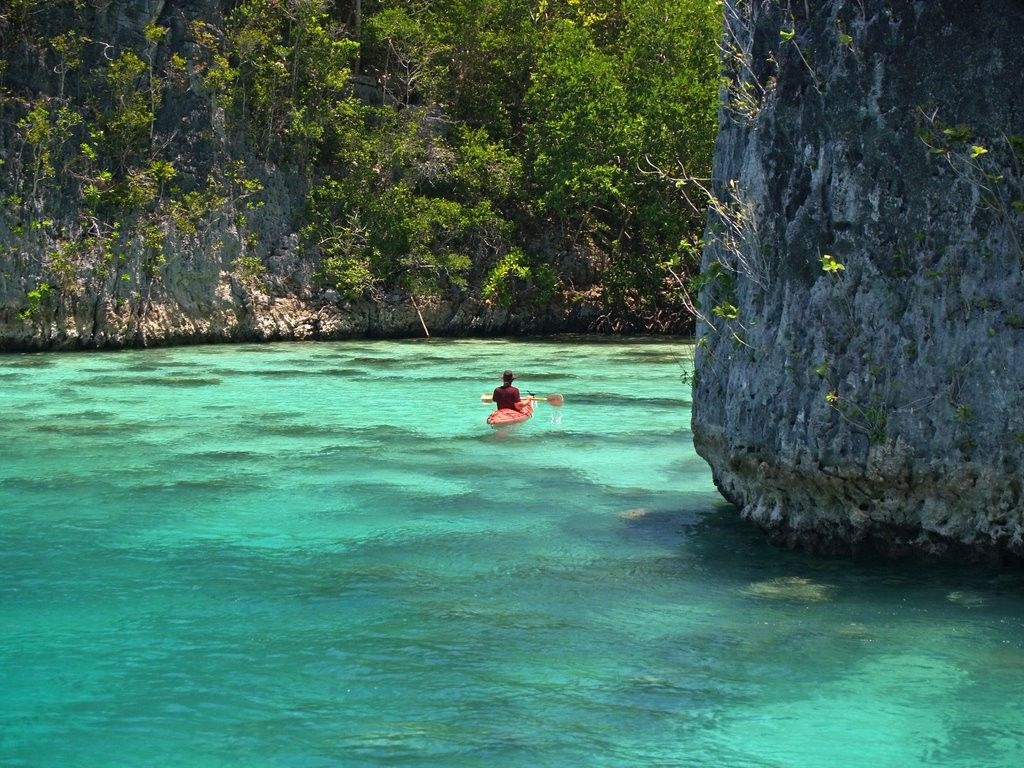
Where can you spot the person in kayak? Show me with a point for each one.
(507, 396)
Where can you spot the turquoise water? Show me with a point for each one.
(318, 555)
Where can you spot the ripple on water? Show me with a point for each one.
(382, 433)
(529, 377)
(224, 456)
(234, 482)
(150, 381)
(617, 400)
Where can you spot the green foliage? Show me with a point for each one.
(38, 132)
(830, 265)
(410, 209)
(993, 168)
(412, 55)
(517, 149)
(61, 264)
(716, 287)
(499, 286)
(581, 132)
(485, 51)
(124, 127)
(188, 209)
(961, 132)
(349, 274)
(516, 272)
(250, 268)
(154, 33)
(36, 298)
(285, 76)
(614, 100)
(726, 311)
(875, 420)
(395, 237)
(151, 236)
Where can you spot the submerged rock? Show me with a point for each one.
(860, 364)
(855, 630)
(966, 599)
(637, 513)
(790, 588)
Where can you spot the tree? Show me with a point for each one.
(581, 134)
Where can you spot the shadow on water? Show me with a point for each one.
(111, 428)
(739, 554)
(265, 349)
(169, 367)
(655, 356)
(382, 362)
(567, 436)
(412, 375)
(610, 399)
(661, 524)
(300, 431)
(584, 340)
(387, 434)
(225, 456)
(296, 373)
(28, 361)
(89, 415)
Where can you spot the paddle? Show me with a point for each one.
(555, 400)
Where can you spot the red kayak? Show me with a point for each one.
(504, 417)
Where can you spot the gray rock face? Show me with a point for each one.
(860, 364)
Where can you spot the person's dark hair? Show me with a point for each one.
(508, 376)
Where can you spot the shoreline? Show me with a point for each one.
(100, 324)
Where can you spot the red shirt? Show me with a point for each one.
(506, 397)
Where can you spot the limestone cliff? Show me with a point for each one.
(860, 366)
(190, 236)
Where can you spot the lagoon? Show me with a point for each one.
(319, 555)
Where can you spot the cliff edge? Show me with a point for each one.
(860, 363)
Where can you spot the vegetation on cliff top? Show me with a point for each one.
(505, 149)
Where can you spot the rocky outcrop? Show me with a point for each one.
(236, 312)
(860, 364)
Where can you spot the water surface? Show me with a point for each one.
(319, 555)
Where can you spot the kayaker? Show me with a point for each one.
(507, 396)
